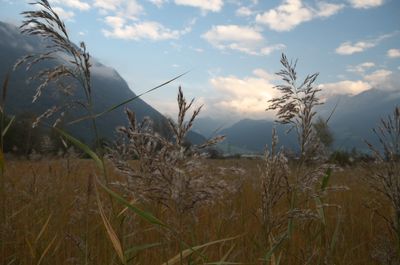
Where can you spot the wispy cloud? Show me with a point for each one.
(244, 39)
(366, 3)
(292, 13)
(348, 47)
(378, 77)
(360, 68)
(158, 3)
(393, 53)
(137, 31)
(77, 4)
(244, 11)
(204, 5)
(67, 15)
(107, 4)
(345, 87)
(127, 9)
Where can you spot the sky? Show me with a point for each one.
(232, 48)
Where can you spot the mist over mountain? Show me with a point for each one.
(109, 89)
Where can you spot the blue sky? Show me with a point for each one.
(232, 47)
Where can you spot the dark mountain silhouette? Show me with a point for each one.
(209, 127)
(109, 88)
(355, 116)
(351, 124)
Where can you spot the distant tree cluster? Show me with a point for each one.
(22, 139)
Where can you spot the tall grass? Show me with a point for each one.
(384, 178)
(305, 192)
(161, 201)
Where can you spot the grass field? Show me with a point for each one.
(52, 218)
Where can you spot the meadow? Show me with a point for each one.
(52, 217)
(150, 198)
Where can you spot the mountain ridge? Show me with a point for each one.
(109, 89)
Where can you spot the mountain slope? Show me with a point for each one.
(108, 89)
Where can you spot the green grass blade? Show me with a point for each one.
(326, 178)
(5, 88)
(225, 257)
(275, 247)
(145, 215)
(335, 236)
(126, 101)
(191, 250)
(318, 201)
(110, 231)
(2, 162)
(44, 227)
(82, 146)
(8, 126)
(134, 249)
(320, 209)
(46, 250)
(223, 263)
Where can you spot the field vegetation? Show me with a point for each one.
(150, 198)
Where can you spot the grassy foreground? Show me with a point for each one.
(52, 218)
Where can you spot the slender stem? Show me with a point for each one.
(2, 182)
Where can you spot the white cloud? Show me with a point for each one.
(236, 33)
(269, 49)
(393, 53)
(132, 9)
(110, 5)
(78, 4)
(129, 9)
(360, 68)
(379, 79)
(115, 22)
(239, 38)
(158, 3)
(286, 16)
(345, 87)
(348, 47)
(328, 9)
(244, 11)
(384, 79)
(205, 5)
(144, 30)
(67, 15)
(292, 13)
(247, 95)
(366, 3)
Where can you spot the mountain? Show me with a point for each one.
(355, 116)
(209, 127)
(351, 124)
(109, 89)
(247, 136)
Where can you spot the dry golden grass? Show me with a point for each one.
(52, 218)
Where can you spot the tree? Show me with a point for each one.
(323, 132)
